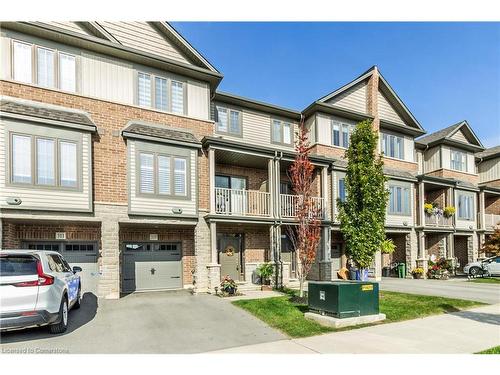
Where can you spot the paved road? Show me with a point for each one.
(453, 288)
(148, 323)
(461, 332)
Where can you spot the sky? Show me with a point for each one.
(443, 72)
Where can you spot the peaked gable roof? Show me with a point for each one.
(447, 136)
(388, 93)
(489, 153)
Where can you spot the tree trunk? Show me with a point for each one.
(301, 287)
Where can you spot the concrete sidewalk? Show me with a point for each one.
(461, 332)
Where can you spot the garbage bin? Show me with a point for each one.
(401, 270)
(353, 273)
(386, 271)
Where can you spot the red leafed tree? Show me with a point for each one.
(304, 236)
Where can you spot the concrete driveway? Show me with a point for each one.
(162, 322)
(452, 288)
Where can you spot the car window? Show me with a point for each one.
(55, 263)
(18, 265)
(67, 267)
(496, 260)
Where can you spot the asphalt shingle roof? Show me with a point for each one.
(25, 109)
(440, 134)
(161, 132)
(488, 152)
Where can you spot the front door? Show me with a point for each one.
(230, 256)
(288, 255)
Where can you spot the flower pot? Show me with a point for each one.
(266, 288)
(417, 275)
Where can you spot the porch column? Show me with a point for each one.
(422, 252)
(482, 213)
(451, 246)
(270, 187)
(334, 201)
(213, 243)
(421, 201)
(324, 191)
(211, 179)
(277, 180)
(450, 202)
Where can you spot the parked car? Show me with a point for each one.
(37, 288)
(488, 266)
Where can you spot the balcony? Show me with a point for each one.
(289, 204)
(242, 202)
(491, 221)
(438, 221)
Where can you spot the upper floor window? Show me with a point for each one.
(392, 146)
(342, 194)
(341, 133)
(465, 206)
(458, 160)
(43, 161)
(163, 175)
(34, 64)
(281, 132)
(228, 121)
(161, 93)
(399, 200)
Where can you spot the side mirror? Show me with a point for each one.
(77, 269)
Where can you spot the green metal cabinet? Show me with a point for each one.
(343, 299)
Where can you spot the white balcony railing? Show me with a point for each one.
(491, 221)
(438, 221)
(242, 202)
(289, 204)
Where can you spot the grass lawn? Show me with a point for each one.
(288, 316)
(486, 280)
(494, 350)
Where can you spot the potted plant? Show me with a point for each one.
(417, 272)
(265, 271)
(228, 286)
(388, 246)
(449, 211)
(429, 208)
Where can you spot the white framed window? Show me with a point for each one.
(162, 175)
(161, 97)
(67, 72)
(144, 90)
(177, 93)
(458, 160)
(228, 120)
(341, 189)
(22, 62)
(281, 132)
(45, 67)
(392, 146)
(46, 161)
(465, 206)
(164, 94)
(341, 133)
(399, 200)
(42, 161)
(21, 159)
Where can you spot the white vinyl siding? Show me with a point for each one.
(21, 159)
(458, 160)
(45, 156)
(392, 146)
(45, 67)
(67, 72)
(489, 170)
(22, 62)
(146, 175)
(399, 200)
(353, 99)
(68, 164)
(387, 111)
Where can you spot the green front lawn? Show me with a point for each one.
(486, 280)
(288, 316)
(494, 350)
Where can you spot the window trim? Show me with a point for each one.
(34, 163)
(229, 109)
(341, 125)
(172, 155)
(282, 123)
(388, 135)
(465, 164)
(410, 205)
(34, 66)
(169, 79)
(472, 197)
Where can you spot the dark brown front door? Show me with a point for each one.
(229, 246)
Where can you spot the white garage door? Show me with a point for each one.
(82, 254)
(151, 266)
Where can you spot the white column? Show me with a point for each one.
(421, 201)
(213, 242)
(326, 245)
(334, 200)
(211, 179)
(277, 180)
(270, 187)
(451, 246)
(482, 213)
(324, 190)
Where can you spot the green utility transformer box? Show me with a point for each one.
(343, 299)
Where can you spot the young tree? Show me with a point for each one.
(362, 214)
(304, 236)
(492, 245)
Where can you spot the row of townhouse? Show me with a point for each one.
(117, 150)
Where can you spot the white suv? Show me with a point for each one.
(37, 288)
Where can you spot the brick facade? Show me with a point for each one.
(492, 205)
(447, 173)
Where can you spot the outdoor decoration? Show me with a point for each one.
(265, 271)
(417, 273)
(228, 286)
(439, 269)
(304, 236)
(229, 251)
(432, 209)
(362, 214)
(449, 211)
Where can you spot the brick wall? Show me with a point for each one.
(436, 196)
(184, 235)
(109, 148)
(400, 165)
(473, 179)
(433, 244)
(492, 205)
(328, 151)
(399, 254)
(256, 240)
(255, 177)
(460, 249)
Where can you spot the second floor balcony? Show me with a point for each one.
(438, 221)
(491, 221)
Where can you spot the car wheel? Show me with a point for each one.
(78, 299)
(475, 271)
(63, 318)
